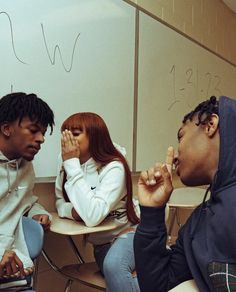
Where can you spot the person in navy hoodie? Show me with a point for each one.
(206, 246)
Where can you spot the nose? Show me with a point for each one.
(40, 138)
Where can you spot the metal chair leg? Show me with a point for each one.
(68, 285)
(35, 274)
(171, 224)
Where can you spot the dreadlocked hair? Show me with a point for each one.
(18, 105)
(204, 111)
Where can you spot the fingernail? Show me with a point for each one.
(152, 182)
(157, 173)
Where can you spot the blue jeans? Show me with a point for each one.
(116, 262)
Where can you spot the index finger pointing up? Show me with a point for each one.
(170, 157)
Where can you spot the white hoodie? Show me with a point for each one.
(95, 193)
(17, 182)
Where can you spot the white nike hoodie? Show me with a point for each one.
(95, 193)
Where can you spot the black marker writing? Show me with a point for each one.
(12, 37)
(57, 48)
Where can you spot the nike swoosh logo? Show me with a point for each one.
(93, 188)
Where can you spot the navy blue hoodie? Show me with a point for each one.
(206, 246)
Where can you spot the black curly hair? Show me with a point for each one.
(204, 111)
(18, 105)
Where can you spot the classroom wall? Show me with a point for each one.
(209, 22)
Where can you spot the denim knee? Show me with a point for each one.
(120, 256)
(110, 265)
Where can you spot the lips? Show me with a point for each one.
(35, 148)
(177, 163)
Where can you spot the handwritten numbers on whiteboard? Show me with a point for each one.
(194, 85)
(174, 100)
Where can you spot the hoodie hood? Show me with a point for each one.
(91, 165)
(120, 149)
(226, 174)
(13, 162)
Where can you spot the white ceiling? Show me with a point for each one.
(231, 4)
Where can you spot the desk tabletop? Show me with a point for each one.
(70, 227)
(187, 197)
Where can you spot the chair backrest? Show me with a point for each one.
(189, 197)
(34, 236)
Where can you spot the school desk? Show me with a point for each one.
(86, 273)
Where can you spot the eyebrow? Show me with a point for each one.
(39, 127)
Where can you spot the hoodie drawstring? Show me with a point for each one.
(13, 163)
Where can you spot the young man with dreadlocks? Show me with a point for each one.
(23, 122)
(206, 246)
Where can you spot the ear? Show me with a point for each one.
(6, 129)
(211, 126)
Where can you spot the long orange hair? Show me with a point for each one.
(102, 150)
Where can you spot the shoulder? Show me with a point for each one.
(113, 167)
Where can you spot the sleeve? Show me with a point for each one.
(5, 243)
(37, 209)
(159, 268)
(94, 205)
(64, 209)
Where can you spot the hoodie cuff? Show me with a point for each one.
(67, 211)
(72, 167)
(152, 218)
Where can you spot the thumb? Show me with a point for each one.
(167, 179)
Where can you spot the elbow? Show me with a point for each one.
(60, 213)
(92, 222)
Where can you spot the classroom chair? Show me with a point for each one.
(34, 236)
(87, 273)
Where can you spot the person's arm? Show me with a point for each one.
(93, 206)
(158, 268)
(39, 214)
(64, 209)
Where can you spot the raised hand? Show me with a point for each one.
(69, 146)
(155, 184)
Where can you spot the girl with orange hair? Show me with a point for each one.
(94, 183)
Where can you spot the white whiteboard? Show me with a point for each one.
(175, 75)
(77, 55)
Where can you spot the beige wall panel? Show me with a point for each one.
(207, 21)
(155, 7)
(183, 9)
(173, 19)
